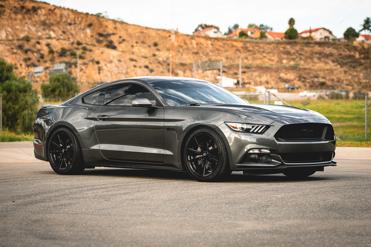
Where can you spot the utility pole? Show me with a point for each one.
(78, 67)
(240, 72)
(366, 115)
(269, 97)
(221, 70)
(172, 51)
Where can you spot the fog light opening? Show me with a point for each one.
(259, 151)
(259, 158)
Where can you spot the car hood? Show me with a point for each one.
(275, 113)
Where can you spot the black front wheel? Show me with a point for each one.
(64, 152)
(205, 156)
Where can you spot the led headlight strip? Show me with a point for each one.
(247, 127)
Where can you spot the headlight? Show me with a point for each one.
(248, 128)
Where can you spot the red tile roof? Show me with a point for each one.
(366, 36)
(276, 35)
(315, 29)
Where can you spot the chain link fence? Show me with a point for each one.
(1, 112)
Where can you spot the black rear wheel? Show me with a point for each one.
(64, 152)
(298, 173)
(205, 156)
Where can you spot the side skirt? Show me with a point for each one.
(134, 165)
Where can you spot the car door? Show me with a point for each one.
(130, 133)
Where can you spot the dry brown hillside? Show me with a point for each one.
(39, 34)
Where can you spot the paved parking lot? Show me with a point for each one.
(118, 207)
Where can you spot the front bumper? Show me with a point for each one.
(241, 143)
(39, 150)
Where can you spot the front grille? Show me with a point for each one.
(307, 157)
(305, 132)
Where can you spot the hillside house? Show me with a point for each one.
(364, 38)
(318, 34)
(253, 33)
(206, 30)
(275, 36)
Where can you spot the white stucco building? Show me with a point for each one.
(318, 34)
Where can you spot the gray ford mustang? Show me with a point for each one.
(181, 124)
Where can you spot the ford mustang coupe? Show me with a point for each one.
(181, 124)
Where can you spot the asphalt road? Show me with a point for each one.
(117, 207)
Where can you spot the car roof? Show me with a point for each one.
(150, 79)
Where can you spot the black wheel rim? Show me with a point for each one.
(62, 151)
(203, 155)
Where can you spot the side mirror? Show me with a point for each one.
(141, 102)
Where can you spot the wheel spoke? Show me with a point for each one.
(194, 150)
(63, 162)
(55, 144)
(59, 140)
(204, 170)
(213, 157)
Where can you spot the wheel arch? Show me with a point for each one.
(60, 125)
(195, 127)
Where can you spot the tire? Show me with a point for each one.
(298, 173)
(64, 152)
(204, 156)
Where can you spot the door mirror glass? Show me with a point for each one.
(141, 102)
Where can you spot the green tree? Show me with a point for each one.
(232, 29)
(20, 104)
(350, 34)
(242, 35)
(6, 71)
(252, 25)
(291, 22)
(265, 28)
(291, 32)
(366, 26)
(61, 87)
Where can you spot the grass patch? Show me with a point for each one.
(8, 136)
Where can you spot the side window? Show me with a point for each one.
(96, 98)
(125, 95)
(122, 94)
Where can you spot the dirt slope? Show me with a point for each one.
(39, 34)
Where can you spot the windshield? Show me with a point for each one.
(192, 92)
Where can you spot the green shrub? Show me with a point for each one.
(6, 71)
(291, 33)
(61, 86)
(243, 35)
(63, 52)
(341, 94)
(359, 95)
(20, 104)
(350, 34)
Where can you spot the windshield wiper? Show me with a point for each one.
(194, 104)
(232, 105)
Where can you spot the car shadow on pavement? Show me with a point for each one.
(172, 175)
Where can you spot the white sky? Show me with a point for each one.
(185, 15)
